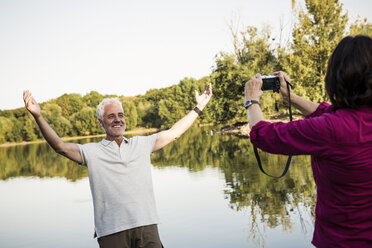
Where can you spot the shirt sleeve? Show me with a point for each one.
(148, 142)
(82, 153)
(313, 135)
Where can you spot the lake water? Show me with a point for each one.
(209, 192)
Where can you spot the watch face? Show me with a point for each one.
(247, 104)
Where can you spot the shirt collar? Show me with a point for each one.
(106, 142)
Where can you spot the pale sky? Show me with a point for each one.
(52, 47)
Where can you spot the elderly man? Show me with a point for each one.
(119, 171)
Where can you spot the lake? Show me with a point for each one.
(209, 192)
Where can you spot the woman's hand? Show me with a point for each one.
(253, 88)
(283, 78)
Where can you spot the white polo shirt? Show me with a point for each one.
(121, 183)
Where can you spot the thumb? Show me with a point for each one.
(196, 93)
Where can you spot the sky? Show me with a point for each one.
(124, 47)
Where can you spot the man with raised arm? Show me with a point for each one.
(119, 172)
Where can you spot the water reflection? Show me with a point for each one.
(37, 160)
(269, 201)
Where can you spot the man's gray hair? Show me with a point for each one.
(103, 103)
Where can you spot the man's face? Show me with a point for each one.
(113, 121)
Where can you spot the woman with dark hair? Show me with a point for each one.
(339, 139)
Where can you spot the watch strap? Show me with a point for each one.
(197, 110)
(250, 102)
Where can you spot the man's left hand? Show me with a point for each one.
(203, 99)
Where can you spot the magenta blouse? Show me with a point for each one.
(340, 145)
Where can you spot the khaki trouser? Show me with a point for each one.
(139, 237)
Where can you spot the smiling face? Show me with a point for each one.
(113, 121)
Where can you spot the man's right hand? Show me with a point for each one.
(31, 105)
(69, 150)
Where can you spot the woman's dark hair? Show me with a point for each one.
(348, 81)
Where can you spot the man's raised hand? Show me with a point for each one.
(31, 105)
(203, 99)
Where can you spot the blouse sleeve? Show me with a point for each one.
(313, 135)
(321, 109)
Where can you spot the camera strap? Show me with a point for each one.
(290, 157)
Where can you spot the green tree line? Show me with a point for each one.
(316, 31)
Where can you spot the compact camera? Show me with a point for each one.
(270, 83)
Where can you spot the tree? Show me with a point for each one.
(252, 55)
(130, 112)
(70, 104)
(30, 129)
(6, 128)
(142, 108)
(53, 115)
(362, 27)
(166, 106)
(85, 122)
(92, 99)
(314, 37)
(17, 130)
(228, 86)
(178, 101)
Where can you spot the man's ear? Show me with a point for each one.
(100, 122)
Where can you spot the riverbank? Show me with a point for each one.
(137, 131)
(238, 128)
(243, 129)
